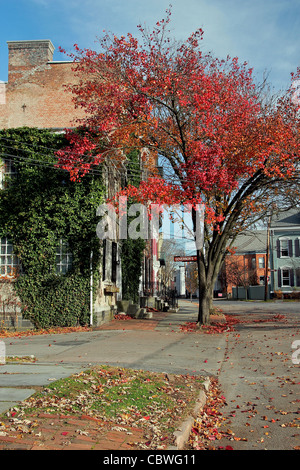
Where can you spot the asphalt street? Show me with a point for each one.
(260, 377)
(254, 364)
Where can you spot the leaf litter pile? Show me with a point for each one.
(227, 325)
(156, 403)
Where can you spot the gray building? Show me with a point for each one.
(285, 252)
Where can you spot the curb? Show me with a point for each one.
(183, 433)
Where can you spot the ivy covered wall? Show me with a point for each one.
(51, 223)
(132, 251)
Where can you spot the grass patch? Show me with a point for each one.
(153, 401)
(20, 359)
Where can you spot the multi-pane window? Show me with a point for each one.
(8, 170)
(285, 277)
(284, 248)
(64, 258)
(9, 263)
(261, 262)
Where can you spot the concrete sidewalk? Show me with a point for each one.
(156, 344)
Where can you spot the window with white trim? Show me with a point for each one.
(64, 258)
(261, 262)
(284, 247)
(8, 171)
(9, 262)
(285, 277)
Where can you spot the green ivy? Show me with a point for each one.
(131, 256)
(132, 250)
(38, 207)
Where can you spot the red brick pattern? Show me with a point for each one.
(36, 94)
(67, 432)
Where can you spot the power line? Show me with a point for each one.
(93, 170)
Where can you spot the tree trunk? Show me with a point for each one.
(204, 307)
(205, 293)
(209, 261)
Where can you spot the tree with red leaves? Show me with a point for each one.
(220, 145)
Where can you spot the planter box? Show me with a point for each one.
(111, 290)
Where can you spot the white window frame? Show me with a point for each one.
(9, 262)
(286, 278)
(287, 249)
(63, 258)
(261, 262)
(7, 170)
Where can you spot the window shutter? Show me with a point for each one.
(290, 248)
(104, 260)
(279, 277)
(114, 249)
(297, 250)
(292, 278)
(278, 248)
(298, 277)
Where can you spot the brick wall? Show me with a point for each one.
(35, 94)
(241, 269)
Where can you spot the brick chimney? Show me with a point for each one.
(26, 56)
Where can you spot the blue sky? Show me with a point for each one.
(265, 33)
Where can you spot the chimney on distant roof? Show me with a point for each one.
(26, 55)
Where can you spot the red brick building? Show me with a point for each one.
(35, 94)
(247, 266)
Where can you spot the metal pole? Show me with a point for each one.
(91, 288)
(267, 259)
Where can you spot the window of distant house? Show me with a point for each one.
(284, 247)
(261, 262)
(64, 258)
(261, 280)
(9, 263)
(285, 277)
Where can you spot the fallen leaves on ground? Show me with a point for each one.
(44, 331)
(227, 325)
(122, 316)
(206, 431)
(156, 403)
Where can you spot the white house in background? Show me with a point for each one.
(285, 252)
(180, 281)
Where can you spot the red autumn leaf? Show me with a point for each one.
(224, 148)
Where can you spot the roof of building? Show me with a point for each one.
(290, 218)
(250, 242)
